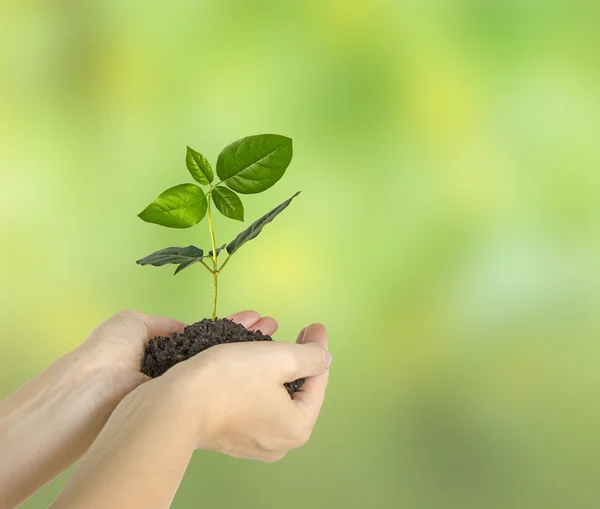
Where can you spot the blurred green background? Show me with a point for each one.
(447, 235)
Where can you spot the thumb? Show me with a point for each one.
(306, 360)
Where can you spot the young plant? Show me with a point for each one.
(247, 166)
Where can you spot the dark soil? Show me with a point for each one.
(163, 353)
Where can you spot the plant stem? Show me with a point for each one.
(207, 267)
(214, 255)
(224, 263)
(215, 287)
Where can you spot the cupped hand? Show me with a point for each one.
(233, 399)
(115, 349)
(51, 421)
(230, 398)
(82, 401)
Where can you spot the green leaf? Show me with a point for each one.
(181, 206)
(228, 203)
(185, 265)
(219, 249)
(199, 167)
(255, 163)
(182, 256)
(255, 228)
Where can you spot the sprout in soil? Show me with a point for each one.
(250, 165)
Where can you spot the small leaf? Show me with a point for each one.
(199, 167)
(228, 203)
(181, 206)
(255, 163)
(185, 265)
(219, 249)
(255, 228)
(182, 256)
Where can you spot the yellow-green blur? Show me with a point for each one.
(448, 233)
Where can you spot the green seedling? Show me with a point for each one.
(247, 166)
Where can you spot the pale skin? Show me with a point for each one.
(94, 402)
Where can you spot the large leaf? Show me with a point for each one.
(228, 203)
(182, 256)
(199, 167)
(181, 206)
(255, 228)
(254, 163)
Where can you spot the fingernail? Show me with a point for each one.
(329, 359)
(303, 335)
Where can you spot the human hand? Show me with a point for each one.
(54, 418)
(111, 356)
(229, 398)
(49, 423)
(115, 349)
(233, 399)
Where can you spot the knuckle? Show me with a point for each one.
(272, 458)
(297, 435)
(303, 433)
(320, 355)
(139, 318)
(129, 314)
(290, 360)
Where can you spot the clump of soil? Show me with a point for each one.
(163, 353)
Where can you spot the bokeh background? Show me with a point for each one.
(447, 235)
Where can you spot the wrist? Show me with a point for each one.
(169, 403)
(75, 366)
(187, 391)
(59, 378)
(63, 403)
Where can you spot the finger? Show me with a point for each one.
(310, 398)
(316, 334)
(246, 318)
(292, 361)
(162, 326)
(266, 325)
(136, 327)
(280, 361)
(300, 338)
